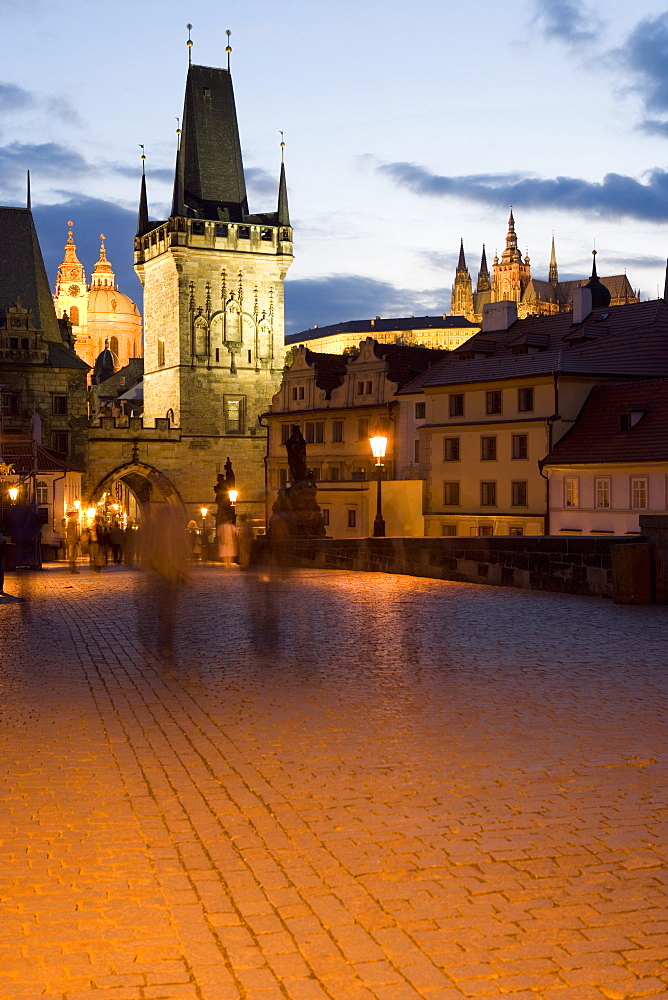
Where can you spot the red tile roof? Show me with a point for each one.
(596, 435)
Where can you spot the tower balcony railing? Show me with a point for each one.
(182, 231)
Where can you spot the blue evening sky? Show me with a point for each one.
(408, 126)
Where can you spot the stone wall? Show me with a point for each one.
(571, 565)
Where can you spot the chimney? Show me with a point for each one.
(498, 316)
(581, 304)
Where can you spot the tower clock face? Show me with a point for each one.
(73, 289)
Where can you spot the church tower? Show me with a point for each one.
(213, 288)
(461, 301)
(511, 273)
(553, 276)
(71, 294)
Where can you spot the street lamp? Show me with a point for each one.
(233, 494)
(13, 493)
(378, 445)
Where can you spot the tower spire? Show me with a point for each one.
(553, 276)
(189, 43)
(142, 217)
(283, 214)
(28, 205)
(484, 283)
(461, 263)
(228, 49)
(511, 255)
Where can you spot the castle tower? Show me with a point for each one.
(461, 301)
(511, 273)
(213, 287)
(71, 294)
(484, 282)
(553, 276)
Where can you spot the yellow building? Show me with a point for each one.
(98, 312)
(435, 332)
(495, 408)
(339, 402)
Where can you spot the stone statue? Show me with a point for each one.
(296, 446)
(225, 513)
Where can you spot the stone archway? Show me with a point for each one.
(148, 484)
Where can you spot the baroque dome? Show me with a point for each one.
(108, 300)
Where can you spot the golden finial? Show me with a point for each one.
(228, 49)
(143, 154)
(189, 43)
(282, 146)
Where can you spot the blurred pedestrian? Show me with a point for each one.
(245, 536)
(164, 557)
(116, 537)
(226, 538)
(97, 550)
(72, 538)
(130, 544)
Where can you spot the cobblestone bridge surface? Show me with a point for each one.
(355, 787)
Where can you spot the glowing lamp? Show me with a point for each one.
(77, 504)
(204, 511)
(378, 446)
(13, 493)
(91, 512)
(233, 494)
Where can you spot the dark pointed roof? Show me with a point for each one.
(600, 295)
(461, 263)
(484, 283)
(143, 224)
(22, 272)
(283, 214)
(209, 181)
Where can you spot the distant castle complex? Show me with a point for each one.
(511, 281)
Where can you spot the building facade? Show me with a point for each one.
(435, 332)
(98, 312)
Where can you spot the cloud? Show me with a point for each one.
(261, 182)
(341, 297)
(567, 21)
(645, 53)
(616, 195)
(13, 98)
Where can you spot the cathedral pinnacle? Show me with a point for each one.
(283, 215)
(511, 255)
(461, 263)
(553, 276)
(189, 43)
(142, 217)
(484, 283)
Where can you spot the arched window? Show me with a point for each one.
(42, 493)
(113, 347)
(74, 315)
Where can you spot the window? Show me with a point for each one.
(520, 446)
(334, 473)
(456, 400)
(42, 493)
(286, 431)
(315, 432)
(74, 315)
(282, 478)
(487, 494)
(485, 531)
(113, 347)
(234, 414)
(451, 494)
(448, 530)
(369, 388)
(298, 392)
(198, 229)
(10, 404)
(325, 516)
(602, 493)
(639, 493)
(316, 475)
(243, 232)
(450, 449)
(488, 449)
(61, 442)
(416, 451)
(625, 421)
(518, 494)
(516, 529)
(360, 388)
(363, 429)
(59, 404)
(352, 518)
(571, 492)
(525, 400)
(161, 353)
(221, 230)
(337, 430)
(420, 411)
(493, 401)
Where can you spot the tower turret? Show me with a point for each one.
(511, 274)
(553, 276)
(461, 300)
(484, 283)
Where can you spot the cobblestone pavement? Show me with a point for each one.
(355, 787)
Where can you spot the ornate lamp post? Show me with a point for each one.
(378, 446)
(13, 493)
(233, 494)
(204, 511)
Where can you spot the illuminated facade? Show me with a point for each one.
(97, 312)
(511, 281)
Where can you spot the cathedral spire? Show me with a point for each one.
(484, 283)
(283, 215)
(209, 179)
(511, 255)
(461, 263)
(553, 276)
(142, 218)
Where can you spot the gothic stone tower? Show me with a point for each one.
(461, 301)
(213, 292)
(511, 273)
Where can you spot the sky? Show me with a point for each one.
(407, 126)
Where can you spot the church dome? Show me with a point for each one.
(104, 365)
(107, 300)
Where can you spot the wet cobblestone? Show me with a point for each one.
(346, 786)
